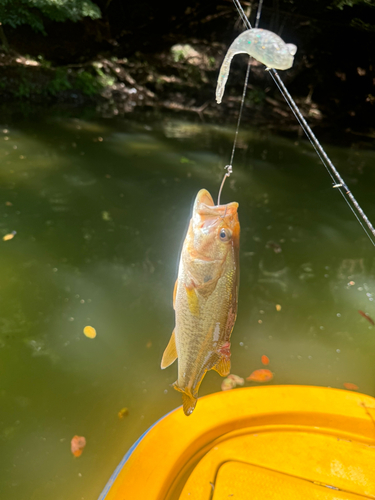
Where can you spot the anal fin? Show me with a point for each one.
(170, 353)
(223, 366)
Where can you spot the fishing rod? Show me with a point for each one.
(338, 181)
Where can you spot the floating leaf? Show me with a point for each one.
(90, 332)
(186, 160)
(262, 375)
(9, 236)
(149, 344)
(231, 382)
(275, 246)
(106, 216)
(124, 412)
(278, 307)
(236, 379)
(350, 386)
(77, 444)
(227, 384)
(265, 360)
(363, 314)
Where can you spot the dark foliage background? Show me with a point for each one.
(334, 66)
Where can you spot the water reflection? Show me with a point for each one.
(100, 210)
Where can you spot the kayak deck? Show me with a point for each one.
(276, 442)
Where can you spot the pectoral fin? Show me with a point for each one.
(223, 366)
(192, 300)
(170, 353)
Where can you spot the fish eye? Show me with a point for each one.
(225, 234)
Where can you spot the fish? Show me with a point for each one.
(205, 297)
(265, 46)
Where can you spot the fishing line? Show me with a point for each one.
(229, 167)
(331, 169)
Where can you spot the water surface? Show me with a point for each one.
(100, 209)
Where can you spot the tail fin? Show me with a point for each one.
(188, 400)
(188, 403)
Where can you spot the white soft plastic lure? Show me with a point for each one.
(265, 46)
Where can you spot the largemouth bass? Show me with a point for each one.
(205, 297)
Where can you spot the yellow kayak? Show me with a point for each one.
(276, 442)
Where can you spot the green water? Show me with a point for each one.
(100, 210)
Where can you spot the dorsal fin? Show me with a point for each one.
(170, 353)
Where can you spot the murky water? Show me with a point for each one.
(100, 210)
